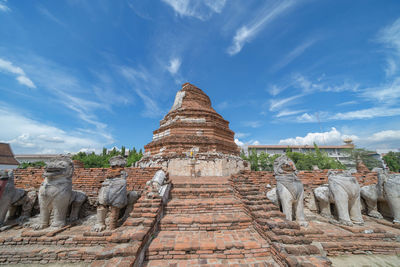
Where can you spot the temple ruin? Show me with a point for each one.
(191, 201)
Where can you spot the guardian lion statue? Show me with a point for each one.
(113, 195)
(11, 198)
(387, 189)
(56, 195)
(344, 191)
(289, 189)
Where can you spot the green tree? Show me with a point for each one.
(392, 160)
(36, 164)
(366, 156)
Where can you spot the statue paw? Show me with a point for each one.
(39, 226)
(22, 219)
(327, 215)
(56, 225)
(99, 227)
(347, 223)
(303, 223)
(396, 221)
(358, 222)
(375, 214)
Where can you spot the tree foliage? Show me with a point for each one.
(392, 160)
(36, 164)
(365, 156)
(92, 160)
(303, 161)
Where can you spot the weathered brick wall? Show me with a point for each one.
(87, 180)
(310, 179)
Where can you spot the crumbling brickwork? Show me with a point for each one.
(87, 180)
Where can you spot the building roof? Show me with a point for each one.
(299, 147)
(6, 155)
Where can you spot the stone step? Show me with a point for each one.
(266, 261)
(203, 205)
(41, 254)
(203, 182)
(361, 247)
(191, 193)
(205, 221)
(225, 244)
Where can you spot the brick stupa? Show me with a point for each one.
(193, 133)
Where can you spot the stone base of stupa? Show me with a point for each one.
(203, 164)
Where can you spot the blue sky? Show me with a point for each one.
(80, 74)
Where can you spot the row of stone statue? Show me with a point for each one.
(57, 199)
(342, 190)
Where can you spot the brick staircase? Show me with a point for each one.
(205, 224)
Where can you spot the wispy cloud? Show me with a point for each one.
(202, 10)
(368, 113)
(288, 112)
(3, 6)
(140, 80)
(296, 52)
(277, 104)
(45, 12)
(388, 93)
(362, 114)
(31, 136)
(347, 103)
(309, 86)
(174, 65)
(9, 67)
(252, 124)
(390, 37)
(247, 32)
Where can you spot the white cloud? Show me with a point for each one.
(252, 124)
(368, 113)
(383, 140)
(247, 32)
(293, 54)
(50, 16)
(309, 87)
(277, 104)
(388, 93)
(305, 117)
(31, 136)
(202, 10)
(288, 112)
(174, 65)
(241, 135)
(238, 142)
(333, 137)
(140, 79)
(3, 6)
(9, 67)
(390, 37)
(353, 102)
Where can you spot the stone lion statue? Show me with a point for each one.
(344, 191)
(289, 189)
(56, 195)
(11, 198)
(387, 189)
(114, 195)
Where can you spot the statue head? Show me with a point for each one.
(59, 167)
(284, 165)
(117, 161)
(4, 175)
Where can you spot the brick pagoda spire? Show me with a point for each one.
(192, 124)
(193, 130)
